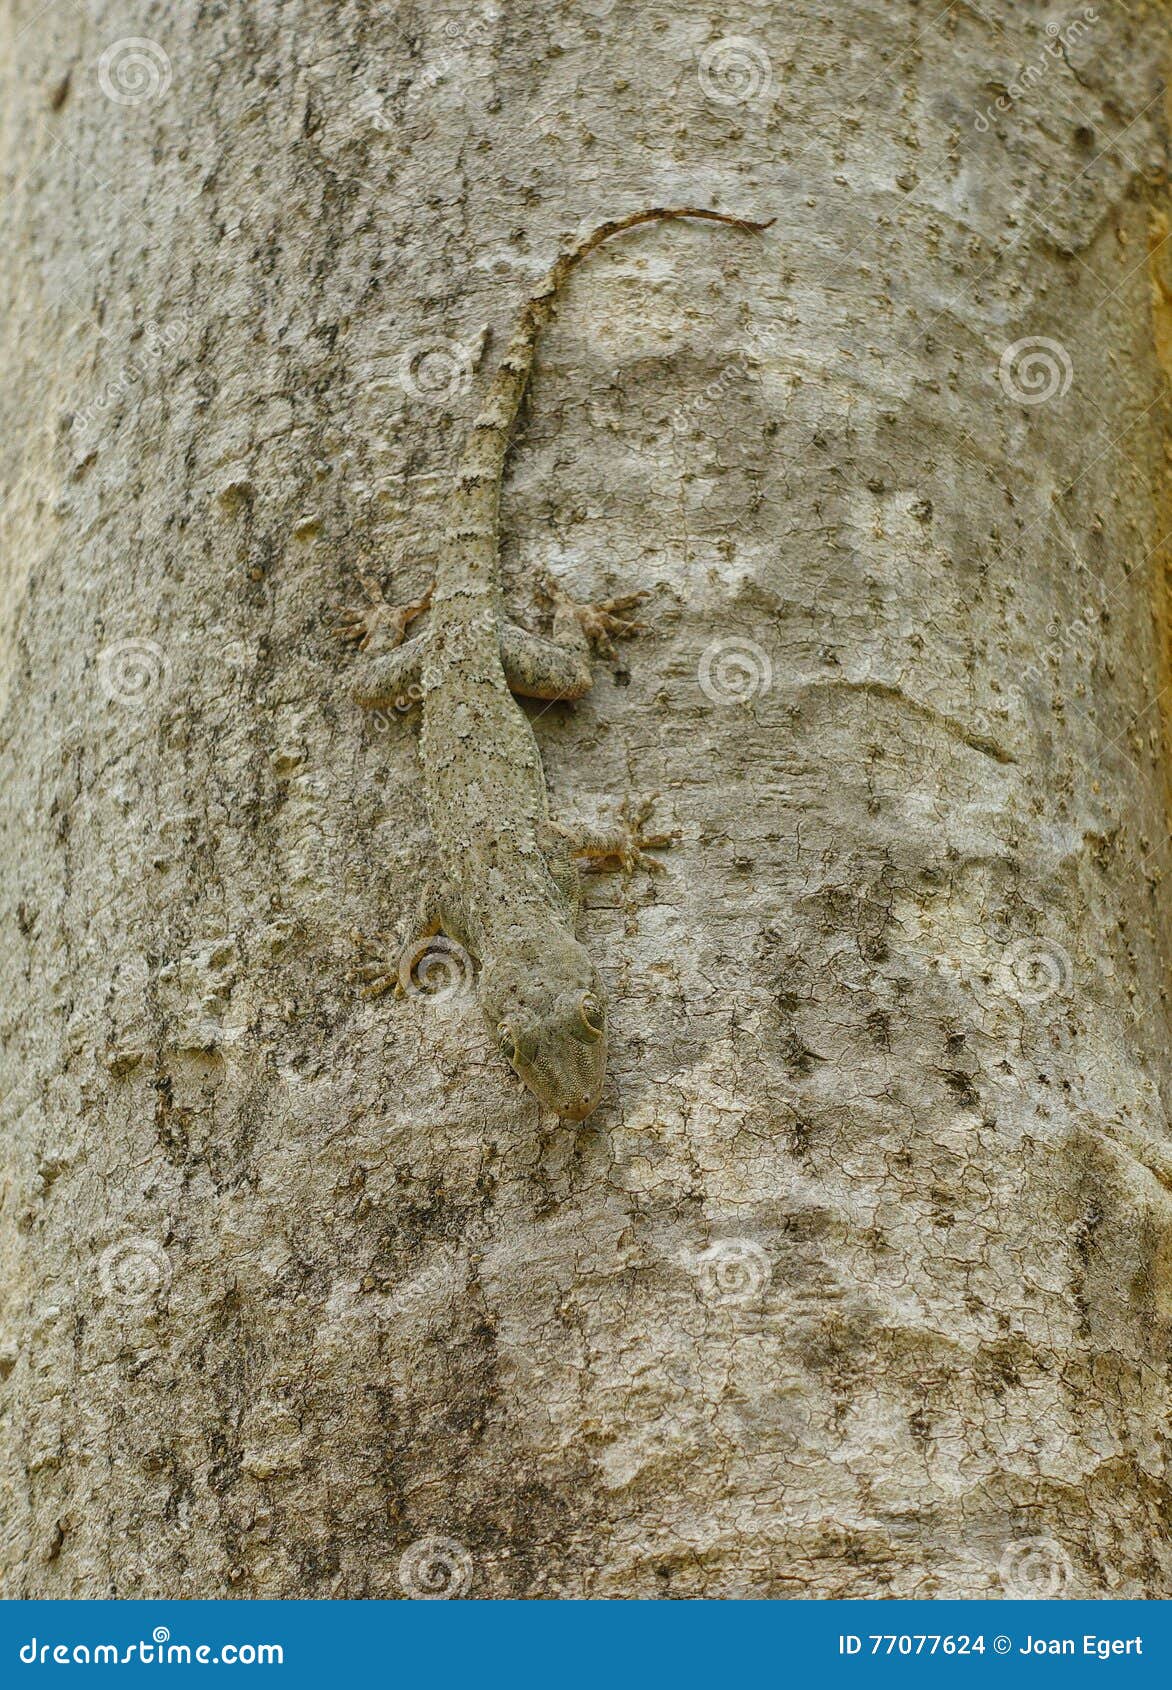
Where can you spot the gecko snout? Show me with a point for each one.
(581, 1107)
(550, 1019)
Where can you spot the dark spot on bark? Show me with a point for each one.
(798, 1136)
(798, 1056)
(1084, 1229)
(879, 1027)
(961, 1086)
(997, 1366)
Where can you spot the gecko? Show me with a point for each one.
(506, 887)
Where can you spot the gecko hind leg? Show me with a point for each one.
(537, 667)
(392, 681)
(428, 963)
(380, 957)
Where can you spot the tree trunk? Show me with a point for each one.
(859, 1282)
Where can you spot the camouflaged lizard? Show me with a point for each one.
(507, 887)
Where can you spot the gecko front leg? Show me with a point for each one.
(537, 667)
(364, 624)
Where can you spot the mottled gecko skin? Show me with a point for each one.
(507, 887)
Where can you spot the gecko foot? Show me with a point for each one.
(377, 969)
(361, 625)
(635, 845)
(624, 841)
(601, 623)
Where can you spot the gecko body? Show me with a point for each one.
(507, 885)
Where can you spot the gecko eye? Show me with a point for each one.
(593, 1016)
(506, 1043)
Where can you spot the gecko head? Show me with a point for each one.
(548, 1014)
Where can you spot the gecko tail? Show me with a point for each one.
(483, 462)
(656, 214)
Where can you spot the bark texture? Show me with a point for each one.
(860, 1281)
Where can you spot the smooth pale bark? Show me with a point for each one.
(859, 1282)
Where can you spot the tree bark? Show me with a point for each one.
(860, 1280)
